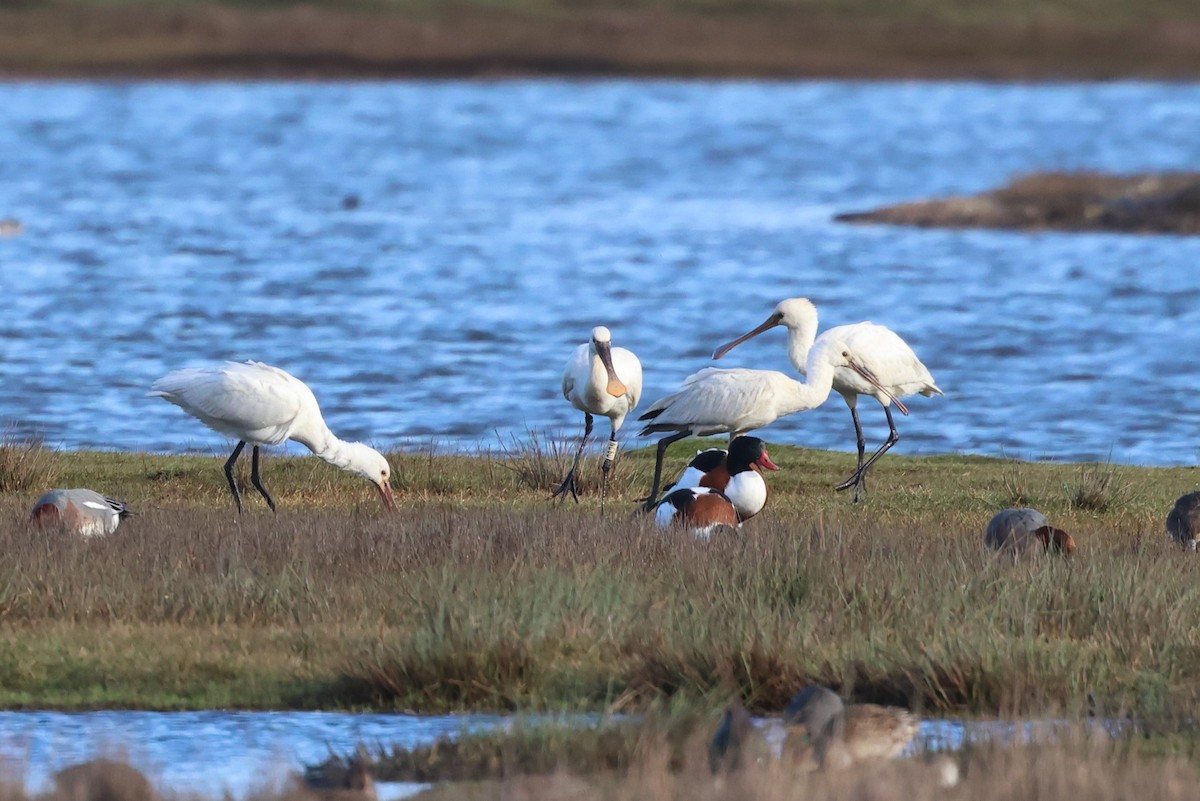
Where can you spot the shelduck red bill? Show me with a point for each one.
(765, 462)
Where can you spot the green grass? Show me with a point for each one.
(481, 594)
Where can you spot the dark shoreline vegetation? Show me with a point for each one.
(481, 595)
(1146, 203)
(991, 39)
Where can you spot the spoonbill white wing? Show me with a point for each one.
(251, 401)
(720, 401)
(884, 353)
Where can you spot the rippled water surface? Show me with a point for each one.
(426, 255)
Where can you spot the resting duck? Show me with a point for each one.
(729, 492)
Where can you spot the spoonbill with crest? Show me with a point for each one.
(897, 370)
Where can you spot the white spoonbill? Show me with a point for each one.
(263, 405)
(874, 347)
(715, 401)
(600, 380)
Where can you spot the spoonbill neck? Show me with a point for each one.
(815, 389)
(800, 342)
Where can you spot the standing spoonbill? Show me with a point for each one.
(716, 401)
(600, 379)
(263, 405)
(874, 347)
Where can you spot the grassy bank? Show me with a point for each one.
(767, 38)
(479, 594)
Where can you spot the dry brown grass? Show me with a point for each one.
(25, 463)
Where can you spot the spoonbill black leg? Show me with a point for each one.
(233, 457)
(609, 456)
(663, 444)
(569, 482)
(858, 480)
(256, 479)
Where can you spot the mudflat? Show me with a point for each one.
(1147, 203)
(1065, 39)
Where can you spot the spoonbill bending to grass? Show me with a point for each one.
(84, 511)
(715, 401)
(600, 379)
(263, 405)
(877, 349)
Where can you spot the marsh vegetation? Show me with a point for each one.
(480, 594)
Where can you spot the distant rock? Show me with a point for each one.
(1147, 203)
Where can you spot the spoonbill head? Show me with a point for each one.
(601, 348)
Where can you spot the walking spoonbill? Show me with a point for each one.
(263, 405)
(600, 380)
(874, 347)
(718, 401)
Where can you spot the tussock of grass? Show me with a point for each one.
(1099, 488)
(25, 463)
(539, 463)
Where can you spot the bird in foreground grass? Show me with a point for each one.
(717, 401)
(1019, 531)
(264, 405)
(83, 511)
(729, 493)
(600, 380)
(897, 370)
(818, 731)
(1183, 521)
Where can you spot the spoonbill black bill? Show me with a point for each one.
(600, 380)
(716, 401)
(878, 349)
(264, 405)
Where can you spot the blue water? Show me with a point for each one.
(426, 254)
(211, 753)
